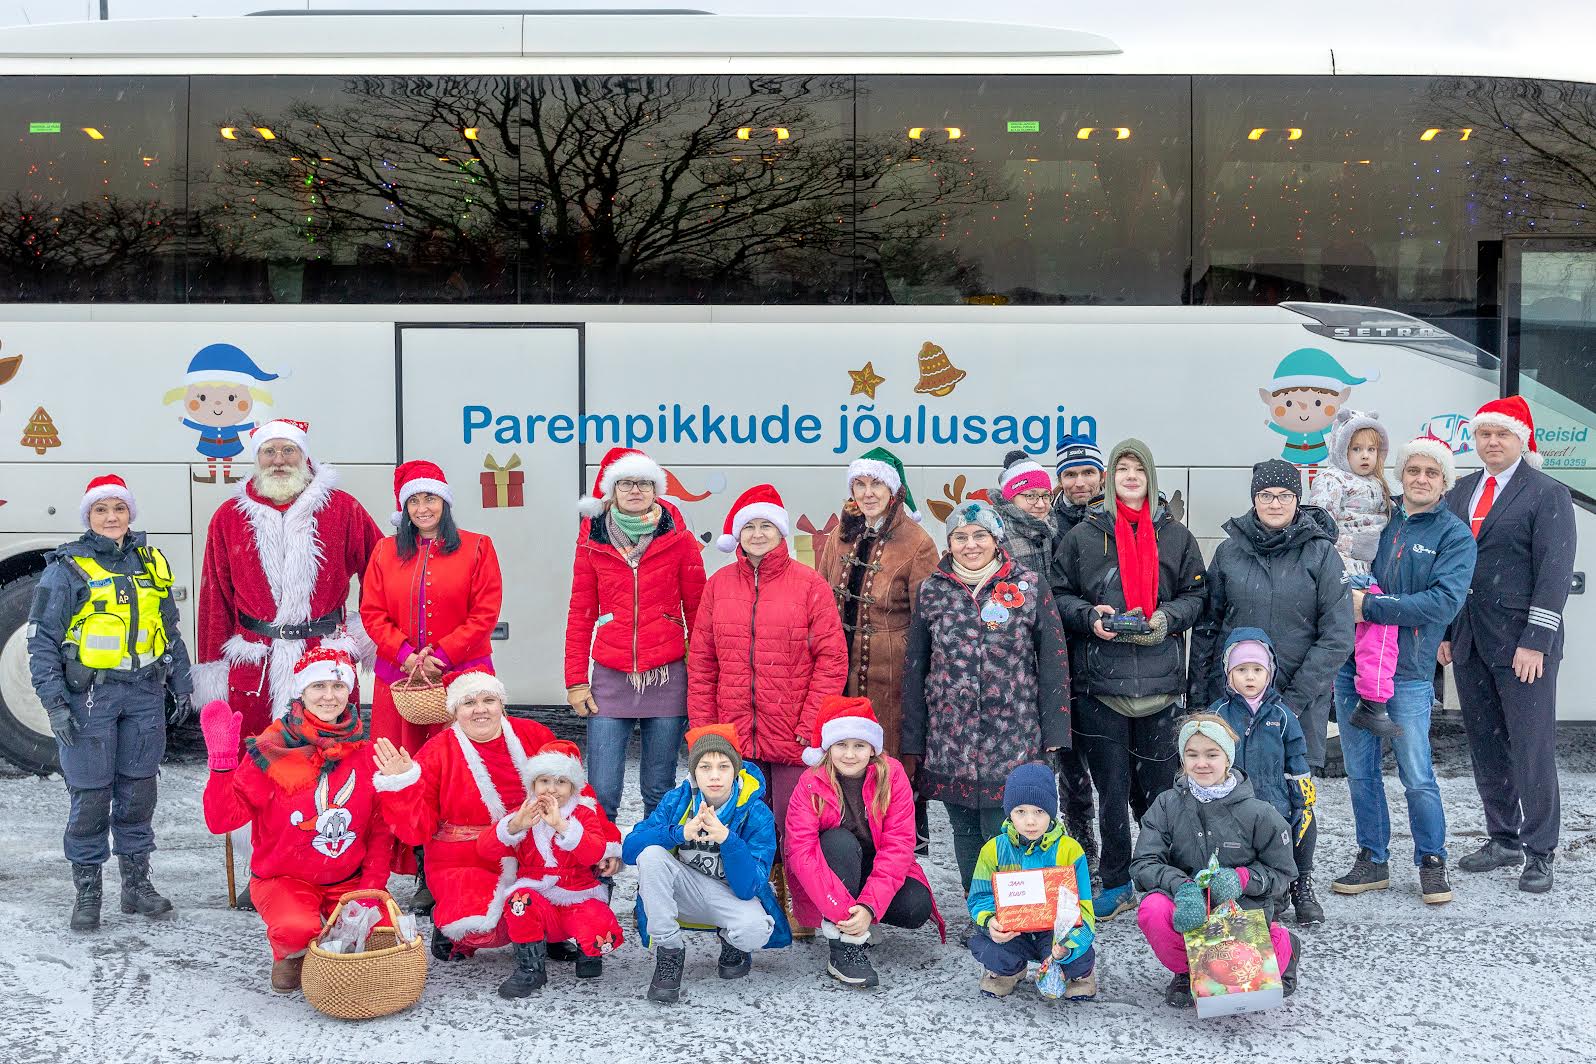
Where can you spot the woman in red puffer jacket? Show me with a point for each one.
(768, 645)
(638, 576)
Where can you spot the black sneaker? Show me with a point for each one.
(666, 986)
(1288, 978)
(1178, 996)
(1537, 876)
(734, 963)
(1307, 907)
(1433, 887)
(1491, 856)
(1366, 875)
(850, 963)
(1372, 717)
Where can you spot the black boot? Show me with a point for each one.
(1307, 907)
(138, 893)
(734, 963)
(849, 963)
(1491, 856)
(530, 972)
(666, 986)
(242, 901)
(1537, 875)
(564, 952)
(1288, 978)
(86, 907)
(1178, 995)
(421, 900)
(1372, 717)
(1367, 874)
(442, 947)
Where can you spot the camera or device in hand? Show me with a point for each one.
(1127, 624)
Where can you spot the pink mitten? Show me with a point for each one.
(220, 726)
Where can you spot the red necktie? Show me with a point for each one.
(1483, 507)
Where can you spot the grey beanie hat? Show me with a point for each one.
(1143, 454)
(975, 512)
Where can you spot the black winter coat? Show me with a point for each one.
(1089, 569)
(1291, 584)
(1179, 834)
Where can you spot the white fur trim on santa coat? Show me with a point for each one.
(455, 930)
(543, 834)
(503, 833)
(1513, 425)
(754, 510)
(872, 467)
(384, 782)
(547, 886)
(210, 681)
(611, 849)
(558, 766)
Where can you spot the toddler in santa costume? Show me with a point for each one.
(307, 794)
(556, 837)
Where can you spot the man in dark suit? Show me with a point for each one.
(1507, 641)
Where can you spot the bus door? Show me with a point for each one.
(498, 407)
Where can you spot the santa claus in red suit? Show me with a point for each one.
(279, 557)
(461, 784)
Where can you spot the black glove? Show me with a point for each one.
(61, 723)
(182, 711)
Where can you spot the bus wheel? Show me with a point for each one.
(25, 738)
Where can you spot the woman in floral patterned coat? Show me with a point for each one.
(987, 679)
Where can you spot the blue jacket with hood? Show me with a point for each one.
(1424, 567)
(746, 855)
(1271, 748)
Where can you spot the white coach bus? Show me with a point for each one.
(756, 247)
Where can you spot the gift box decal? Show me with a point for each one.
(503, 485)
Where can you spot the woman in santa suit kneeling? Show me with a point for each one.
(306, 789)
(463, 782)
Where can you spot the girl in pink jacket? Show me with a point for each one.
(850, 839)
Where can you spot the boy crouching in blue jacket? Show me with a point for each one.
(1031, 838)
(703, 862)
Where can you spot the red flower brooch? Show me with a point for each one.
(1008, 596)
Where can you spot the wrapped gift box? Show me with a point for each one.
(504, 485)
(1233, 964)
(1030, 901)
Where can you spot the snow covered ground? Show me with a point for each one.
(1494, 975)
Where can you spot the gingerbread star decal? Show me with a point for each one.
(866, 380)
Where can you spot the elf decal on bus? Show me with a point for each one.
(1308, 388)
(219, 392)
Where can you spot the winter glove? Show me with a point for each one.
(182, 711)
(1224, 885)
(1191, 907)
(61, 723)
(220, 726)
(1159, 622)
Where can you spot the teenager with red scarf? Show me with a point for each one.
(1129, 555)
(305, 789)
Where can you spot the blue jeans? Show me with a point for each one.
(1360, 749)
(605, 758)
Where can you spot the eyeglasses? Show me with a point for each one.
(634, 485)
(1274, 498)
(274, 454)
(1034, 496)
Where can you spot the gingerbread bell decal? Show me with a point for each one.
(937, 374)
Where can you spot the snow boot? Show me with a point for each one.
(994, 985)
(1307, 907)
(286, 973)
(1433, 887)
(589, 967)
(242, 902)
(530, 972)
(666, 986)
(849, 963)
(1491, 856)
(1372, 717)
(734, 963)
(1083, 988)
(1288, 978)
(138, 893)
(421, 901)
(86, 906)
(1537, 875)
(1178, 993)
(564, 952)
(1366, 875)
(442, 948)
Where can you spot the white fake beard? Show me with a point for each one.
(281, 489)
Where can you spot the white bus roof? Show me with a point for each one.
(690, 43)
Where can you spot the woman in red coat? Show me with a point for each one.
(637, 566)
(767, 647)
(465, 780)
(429, 601)
(307, 793)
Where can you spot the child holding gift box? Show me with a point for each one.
(1032, 837)
(556, 837)
(1210, 809)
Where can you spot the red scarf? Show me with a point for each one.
(295, 750)
(1136, 542)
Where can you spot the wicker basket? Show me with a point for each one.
(386, 978)
(421, 702)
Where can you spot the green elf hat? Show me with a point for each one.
(883, 465)
(1309, 367)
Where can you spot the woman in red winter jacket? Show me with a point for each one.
(638, 576)
(307, 793)
(767, 646)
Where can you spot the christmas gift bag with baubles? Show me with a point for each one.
(1232, 960)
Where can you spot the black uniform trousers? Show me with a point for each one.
(1512, 732)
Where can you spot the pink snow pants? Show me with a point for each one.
(1374, 652)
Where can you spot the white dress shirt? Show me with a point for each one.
(1501, 484)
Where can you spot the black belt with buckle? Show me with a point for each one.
(320, 628)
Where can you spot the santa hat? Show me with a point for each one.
(621, 463)
(1434, 449)
(883, 465)
(323, 664)
(295, 432)
(759, 501)
(413, 478)
(471, 683)
(1512, 414)
(110, 486)
(225, 364)
(560, 759)
(839, 718)
(1020, 473)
